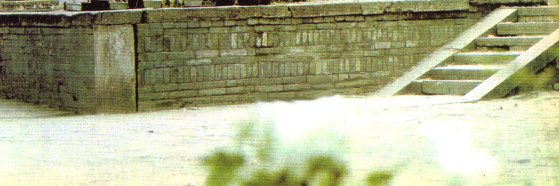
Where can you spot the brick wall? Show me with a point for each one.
(173, 58)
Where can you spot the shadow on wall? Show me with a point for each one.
(542, 80)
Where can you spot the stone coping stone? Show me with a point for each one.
(134, 16)
(482, 2)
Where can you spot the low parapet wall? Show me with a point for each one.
(150, 59)
(22, 6)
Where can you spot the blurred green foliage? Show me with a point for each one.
(266, 178)
(333, 170)
(379, 178)
(223, 168)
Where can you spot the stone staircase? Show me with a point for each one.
(484, 61)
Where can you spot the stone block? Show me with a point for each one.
(294, 80)
(242, 12)
(268, 88)
(219, 30)
(382, 45)
(206, 23)
(117, 17)
(229, 23)
(326, 26)
(322, 86)
(207, 53)
(306, 26)
(296, 87)
(355, 18)
(235, 52)
(212, 84)
(266, 81)
(167, 25)
(346, 25)
(242, 29)
(237, 82)
(325, 10)
(226, 99)
(322, 78)
(213, 91)
(240, 90)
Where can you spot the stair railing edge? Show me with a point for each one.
(506, 79)
(484, 26)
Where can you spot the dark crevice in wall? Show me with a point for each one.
(290, 12)
(135, 31)
(143, 19)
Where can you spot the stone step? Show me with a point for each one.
(453, 87)
(533, 28)
(484, 58)
(538, 14)
(464, 72)
(517, 43)
(538, 11)
(543, 18)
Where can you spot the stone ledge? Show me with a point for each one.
(68, 19)
(134, 16)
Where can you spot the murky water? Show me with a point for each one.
(424, 142)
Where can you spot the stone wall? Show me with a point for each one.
(189, 57)
(62, 60)
(151, 59)
(38, 5)
(47, 65)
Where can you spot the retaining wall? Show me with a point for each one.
(151, 59)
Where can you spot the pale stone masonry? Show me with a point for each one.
(151, 59)
(189, 57)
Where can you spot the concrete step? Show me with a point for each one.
(453, 87)
(538, 11)
(543, 18)
(533, 28)
(484, 58)
(464, 72)
(517, 43)
(538, 14)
